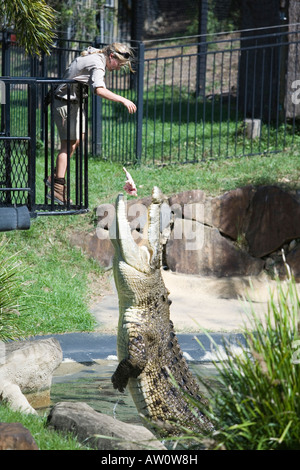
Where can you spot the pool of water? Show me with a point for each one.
(91, 383)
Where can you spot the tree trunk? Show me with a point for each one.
(259, 67)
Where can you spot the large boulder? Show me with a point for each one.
(26, 373)
(202, 250)
(229, 213)
(14, 436)
(99, 430)
(228, 235)
(274, 220)
(96, 245)
(188, 197)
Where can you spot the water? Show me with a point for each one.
(91, 383)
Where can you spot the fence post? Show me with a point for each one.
(32, 106)
(202, 48)
(96, 125)
(5, 71)
(140, 91)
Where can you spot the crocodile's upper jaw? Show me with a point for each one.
(145, 257)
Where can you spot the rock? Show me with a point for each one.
(134, 206)
(229, 212)
(27, 370)
(90, 426)
(14, 436)
(187, 197)
(105, 214)
(137, 214)
(136, 211)
(274, 220)
(197, 249)
(12, 394)
(293, 261)
(269, 263)
(97, 245)
(265, 218)
(292, 245)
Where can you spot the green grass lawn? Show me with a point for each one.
(45, 438)
(58, 279)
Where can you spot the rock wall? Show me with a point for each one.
(241, 232)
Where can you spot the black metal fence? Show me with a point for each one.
(233, 95)
(25, 164)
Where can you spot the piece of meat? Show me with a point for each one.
(130, 186)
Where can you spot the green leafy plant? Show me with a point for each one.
(33, 21)
(10, 293)
(256, 404)
(79, 18)
(45, 437)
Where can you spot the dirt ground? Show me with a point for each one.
(216, 305)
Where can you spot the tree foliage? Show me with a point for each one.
(77, 17)
(10, 295)
(33, 22)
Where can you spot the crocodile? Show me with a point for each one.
(151, 362)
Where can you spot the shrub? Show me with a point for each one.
(256, 405)
(10, 294)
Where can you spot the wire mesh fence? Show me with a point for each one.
(27, 165)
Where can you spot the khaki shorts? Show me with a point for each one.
(60, 111)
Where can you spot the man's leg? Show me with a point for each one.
(62, 158)
(60, 171)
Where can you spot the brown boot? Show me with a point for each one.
(59, 191)
(47, 180)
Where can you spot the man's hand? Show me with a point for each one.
(130, 106)
(110, 95)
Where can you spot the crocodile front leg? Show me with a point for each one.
(123, 373)
(133, 365)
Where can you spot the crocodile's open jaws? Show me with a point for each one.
(148, 350)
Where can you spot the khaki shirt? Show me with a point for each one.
(89, 70)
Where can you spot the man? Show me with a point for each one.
(89, 69)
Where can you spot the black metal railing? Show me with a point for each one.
(244, 105)
(25, 163)
(231, 95)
